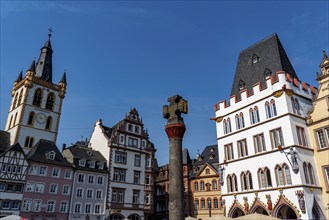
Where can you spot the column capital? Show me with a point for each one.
(175, 130)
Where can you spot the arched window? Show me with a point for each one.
(11, 120)
(229, 184)
(225, 126)
(20, 97)
(243, 181)
(15, 101)
(37, 99)
(196, 186)
(307, 180)
(31, 119)
(256, 113)
(15, 119)
(49, 122)
(50, 101)
(287, 174)
(214, 185)
(237, 123)
(229, 128)
(311, 174)
(29, 142)
(249, 178)
(268, 110)
(241, 120)
(264, 176)
(273, 107)
(252, 116)
(279, 175)
(235, 183)
(196, 204)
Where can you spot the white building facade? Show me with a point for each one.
(130, 156)
(265, 155)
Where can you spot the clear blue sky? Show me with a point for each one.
(123, 54)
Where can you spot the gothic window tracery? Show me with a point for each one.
(37, 99)
(50, 101)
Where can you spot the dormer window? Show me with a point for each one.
(100, 165)
(92, 164)
(241, 85)
(255, 58)
(267, 73)
(51, 155)
(211, 157)
(82, 163)
(89, 153)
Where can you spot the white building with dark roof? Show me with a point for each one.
(266, 160)
(90, 183)
(13, 167)
(130, 157)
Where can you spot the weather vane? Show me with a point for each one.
(50, 30)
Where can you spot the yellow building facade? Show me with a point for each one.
(206, 193)
(318, 125)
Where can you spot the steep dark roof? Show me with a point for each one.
(39, 154)
(269, 56)
(108, 131)
(86, 153)
(186, 156)
(208, 155)
(44, 67)
(4, 140)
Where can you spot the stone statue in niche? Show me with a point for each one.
(301, 200)
(269, 202)
(246, 204)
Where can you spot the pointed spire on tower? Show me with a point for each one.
(20, 77)
(44, 69)
(32, 67)
(324, 54)
(63, 80)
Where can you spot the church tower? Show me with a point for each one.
(36, 105)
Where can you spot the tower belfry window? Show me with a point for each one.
(50, 101)
(241, 85)
(255, 58)
(37, 97)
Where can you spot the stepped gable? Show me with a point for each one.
(40, 151)
(259, 61)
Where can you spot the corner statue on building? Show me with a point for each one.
(175, 130)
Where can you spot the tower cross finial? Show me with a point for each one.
(50, 30)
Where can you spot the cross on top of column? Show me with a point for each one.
(173, 112)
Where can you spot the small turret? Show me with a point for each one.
(19, 78)
(62, 84)
(31, 69)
